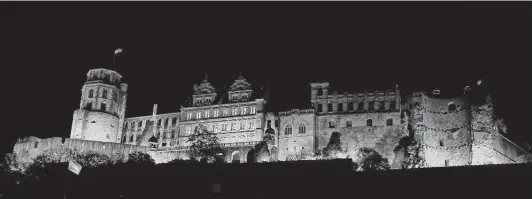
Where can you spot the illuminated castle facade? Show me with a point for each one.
(240, 117)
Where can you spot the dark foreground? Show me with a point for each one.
(332, 179)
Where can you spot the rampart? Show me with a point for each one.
(26, 151)
(493, 148)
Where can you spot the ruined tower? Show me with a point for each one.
(102, 107)
(446, 131)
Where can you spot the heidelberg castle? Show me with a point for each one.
(239, 117)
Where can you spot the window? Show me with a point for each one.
(389, 122)
(132, 125)
(104, 93)
(329, 107)
(253, 111)
(348, 124)
(331, 124)
(131, 138)
(361, 106)
(244, 96)
(215, 128)
(115, 97)
(441, 142)
(288, 130)
(215, 113)
(233, 126)
(350, 106)
(224, 127)
(276, 123)
(206, 114)
(35, 144)
(174, 121)
(320, 108)
(140, 124)
(340, 107)
(320, 91)
(369, 122)
(89, 106)
(198, 115)
(188, 130)
(382, 106)
(91, 93)
(452, 107)
(302, 128)
(189, 116)
(172, 134)
(446, 163)
(269, 125)
(103, 107)
(166, 122)
(225, 112)
(244, 110)
(159, 122)
(371, 105)
(392, 105)
(251, 125)
(234, 111)
(164, 135)
(242, 125)
(103, 147)
(125, 125)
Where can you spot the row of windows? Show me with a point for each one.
(301, 129)
(113, 95)
(103, 107)
(369, 122)
(225, 127)
(159, 123)
(350, 106)
(225, 112)
(320, 92)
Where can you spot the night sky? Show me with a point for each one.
(46, 50)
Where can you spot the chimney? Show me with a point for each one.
(154, 109)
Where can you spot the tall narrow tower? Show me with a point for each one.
(102, 107)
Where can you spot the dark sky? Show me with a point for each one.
(47, 49)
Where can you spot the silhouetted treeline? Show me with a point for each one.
(306, 179)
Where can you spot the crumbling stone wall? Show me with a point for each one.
(28, 150)
(379, 136)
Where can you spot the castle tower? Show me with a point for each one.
(102, 108)
(446, 131)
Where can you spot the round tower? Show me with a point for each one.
(446, 134)
(102, 107)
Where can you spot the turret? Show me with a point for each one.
(102, 107)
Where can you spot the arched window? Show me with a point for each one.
(369, 122)
(452, 107)
(125, 125)
(288, 130)
(389, 122)
(320, 92)
(302, 128)
(329, 107)
(350, 106)
(320, 108)
(340, 107)
(124, 139)
(104, 93)
(371, 105)
(361, 106)
(91, 93)
(131, 138)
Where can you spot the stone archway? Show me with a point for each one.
(235, 157)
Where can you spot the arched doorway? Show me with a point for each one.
(235, 157)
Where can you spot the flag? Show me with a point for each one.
(118, 50)
(74, 167)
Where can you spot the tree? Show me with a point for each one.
(11, 163)
(138, 157)
(93, 159)
(204, 144)
(259, 153)
(370, 160)
(334, 147)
